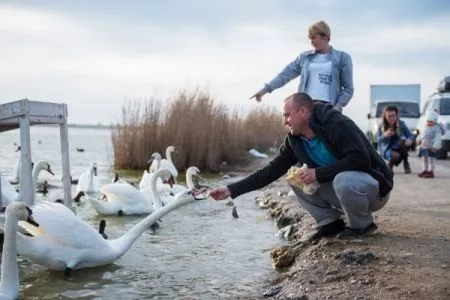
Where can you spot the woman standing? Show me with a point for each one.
(326, 74)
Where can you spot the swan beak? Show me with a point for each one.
(77, 198)
(171, 181)
(31, 220)
(49, 169)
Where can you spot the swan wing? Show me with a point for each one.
(145, 181)
(61, 224)
(178, 188)
(122, 192)
(166, 164)
(16, 171)
(96, 186)
(83, 182)
(9, 193)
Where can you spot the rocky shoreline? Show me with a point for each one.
(309, 270)
(392, 263)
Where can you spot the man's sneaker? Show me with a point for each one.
(329, 230)
(349, 233)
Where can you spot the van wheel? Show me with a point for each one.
(442, 153)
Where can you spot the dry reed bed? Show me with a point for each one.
(204, 133)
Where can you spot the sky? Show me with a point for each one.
(95, 55)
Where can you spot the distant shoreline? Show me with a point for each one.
(90, 126)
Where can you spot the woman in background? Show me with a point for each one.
(394, 138)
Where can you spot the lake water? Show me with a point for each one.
(199, 252)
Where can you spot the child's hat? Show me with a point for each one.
(432, 116)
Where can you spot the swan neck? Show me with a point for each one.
(35, 174)
(10, 271)
(137, 230)
(189, 181)
(154, 166)
(169, 155)
(91, 178)
(157, 203)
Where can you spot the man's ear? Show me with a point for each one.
(303, 110)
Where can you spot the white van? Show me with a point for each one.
(439, 101)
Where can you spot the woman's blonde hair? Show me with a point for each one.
(319, 28)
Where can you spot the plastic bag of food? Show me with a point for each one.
(292, 179)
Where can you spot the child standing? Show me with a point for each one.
(430, 141)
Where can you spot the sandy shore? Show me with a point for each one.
(408, 257)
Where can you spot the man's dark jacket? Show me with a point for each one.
(341, 136)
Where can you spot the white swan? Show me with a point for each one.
(9, 282)
(9, 193)
(125, 199)
(60, 247)
(167, 163)
(88, 181)
(155, 162)
(179, 188)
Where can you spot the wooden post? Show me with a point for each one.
(64, 133)
(1, 200)
(27, 192)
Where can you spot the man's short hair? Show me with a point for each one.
(301, 100)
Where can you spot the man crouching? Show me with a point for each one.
(354, 180)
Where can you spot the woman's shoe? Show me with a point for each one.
(429, 174)
(422, 174)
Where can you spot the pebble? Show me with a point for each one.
(283, 221)
(234, 213)
(272, 291)
(352, 257)
(295, 297)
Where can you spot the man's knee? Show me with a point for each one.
(342, 185)
(347, 184)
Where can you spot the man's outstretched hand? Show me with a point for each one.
(219, 193)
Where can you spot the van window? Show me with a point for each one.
(444, 108)
(405, 109)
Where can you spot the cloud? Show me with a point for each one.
(100, 57)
